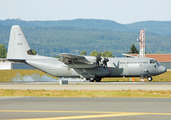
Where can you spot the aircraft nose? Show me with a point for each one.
(161, 69)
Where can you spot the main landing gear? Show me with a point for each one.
(94, 79)
(98, 79)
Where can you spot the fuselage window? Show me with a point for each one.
(154, 62)
(151, 61)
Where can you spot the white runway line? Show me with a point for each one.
(87, 87)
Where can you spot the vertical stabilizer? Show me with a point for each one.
(18, 47)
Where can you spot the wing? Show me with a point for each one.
(67, 55)
(78, 61)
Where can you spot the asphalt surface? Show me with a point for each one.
(53, 108)
(84, 83)
(86, 87)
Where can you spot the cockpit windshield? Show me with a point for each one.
(158, 63)
(152, 61)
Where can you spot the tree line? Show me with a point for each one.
(100, 54)
(3, 51)
(52, 40)
(133, 50)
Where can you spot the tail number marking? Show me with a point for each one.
(19, 43)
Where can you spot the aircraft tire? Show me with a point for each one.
(149, 78)
(98, 79)
(91, 80)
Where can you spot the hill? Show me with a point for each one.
(52, 37)
(158, 27)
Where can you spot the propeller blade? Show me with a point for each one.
(98, 60)
(105, 62)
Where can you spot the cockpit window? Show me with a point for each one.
(154, 62)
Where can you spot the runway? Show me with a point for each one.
(86, 87)
(84, 83)
(53, 108)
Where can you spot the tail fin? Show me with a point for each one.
(18, 47)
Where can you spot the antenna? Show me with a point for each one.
(142, 42)
(76, 51)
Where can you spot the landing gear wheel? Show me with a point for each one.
(98, 79)
(91, 80)
(149, 78)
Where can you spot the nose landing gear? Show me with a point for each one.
(149, 78)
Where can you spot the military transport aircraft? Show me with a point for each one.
(89, 67)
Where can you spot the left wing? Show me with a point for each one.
(78, 61)
(70, 55)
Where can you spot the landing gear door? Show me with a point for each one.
(68, 72)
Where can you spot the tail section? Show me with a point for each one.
(18, 47)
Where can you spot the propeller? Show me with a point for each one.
(98, 60)
(70, 60)
(105, 62)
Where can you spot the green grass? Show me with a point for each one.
(8, 75)
(86, 93)
(165, 77)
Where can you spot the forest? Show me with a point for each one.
(53, 37)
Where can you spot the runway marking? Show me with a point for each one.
(99, 114)
(83, 116)
(81, 112)
(57, 111)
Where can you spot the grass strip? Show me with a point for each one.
(9, 75)
(86, 93)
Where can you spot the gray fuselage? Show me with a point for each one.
(116, 67)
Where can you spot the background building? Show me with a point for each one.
(6, 65)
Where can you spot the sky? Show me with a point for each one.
(120, 11)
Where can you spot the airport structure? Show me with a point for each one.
(6, 65)
(142, 43)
